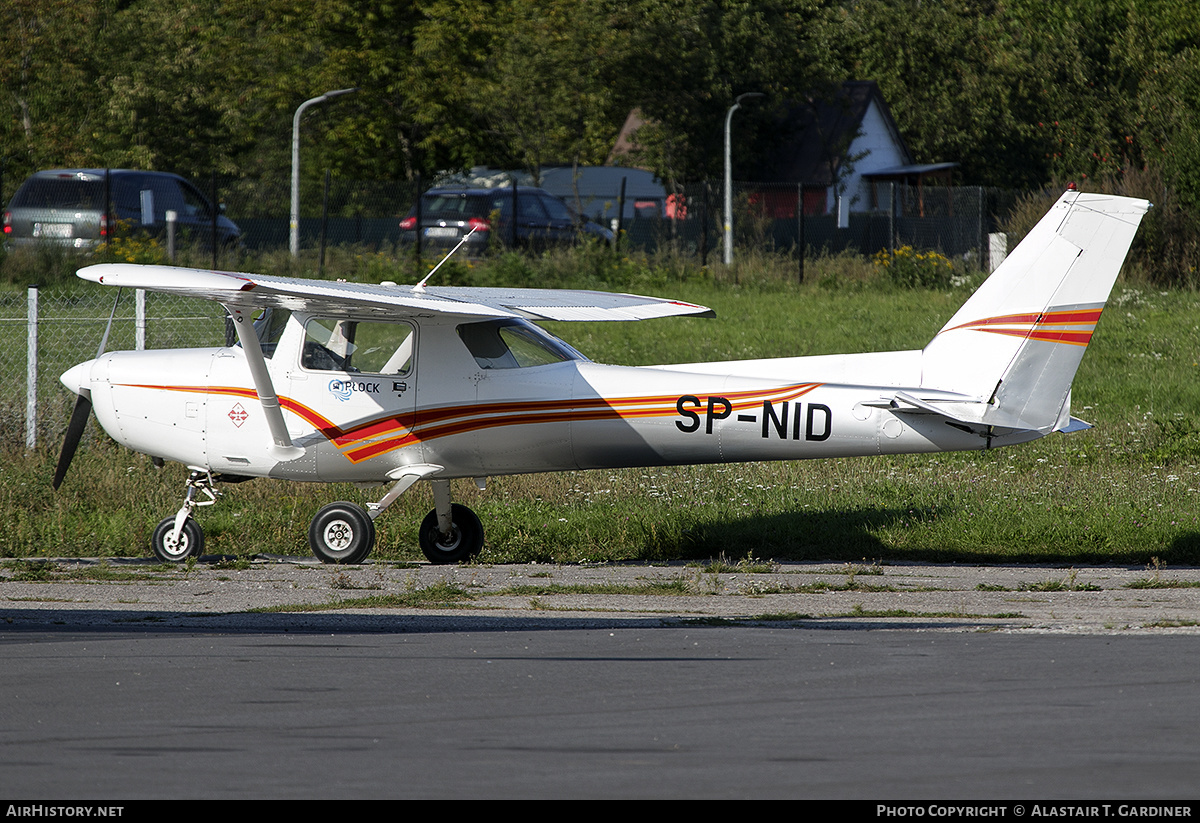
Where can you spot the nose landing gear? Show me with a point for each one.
(177, 538)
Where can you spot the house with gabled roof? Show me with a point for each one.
(841, 151)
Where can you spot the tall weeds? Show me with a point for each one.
(1166, 249)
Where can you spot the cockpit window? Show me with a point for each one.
(513, 344)
(269, 328)
(357, 346)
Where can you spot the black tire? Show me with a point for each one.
(341, 533)
(190, 543)
(466, 537)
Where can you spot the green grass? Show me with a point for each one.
(435, 596)
(655, 588)
(39, 571)
(1163, 584)
(1123, 492)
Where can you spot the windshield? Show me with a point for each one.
(513, 344)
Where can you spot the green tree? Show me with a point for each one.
(1161, 50)
(48, 53)
(168, 100)
(363, 44)
(522, 82)
(962, 80)
(694, 57)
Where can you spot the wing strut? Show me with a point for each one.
(282, 448)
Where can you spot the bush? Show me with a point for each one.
(911, 269)
(42, 264)
(130, 246)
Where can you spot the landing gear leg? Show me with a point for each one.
(451, 533)
(177, 538)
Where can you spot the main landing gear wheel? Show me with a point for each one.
(464, 541)
(189, 544)
(341, 533)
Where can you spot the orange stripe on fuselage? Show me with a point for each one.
(424, 425)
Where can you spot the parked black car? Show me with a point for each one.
(67, 206)
(448, 214)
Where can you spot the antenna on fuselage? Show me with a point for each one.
(421, 286)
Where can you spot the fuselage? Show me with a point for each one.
(364, 400)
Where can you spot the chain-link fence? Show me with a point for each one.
(779, 216)
(952, 220)
(332, 212)
(47, 332)
(787, 217)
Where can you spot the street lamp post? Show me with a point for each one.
(737, 104)
(295, 231)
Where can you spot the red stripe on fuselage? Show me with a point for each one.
(430, 424)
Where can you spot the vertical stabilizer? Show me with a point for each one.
(1019, 340)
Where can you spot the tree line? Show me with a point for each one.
(1019, 92)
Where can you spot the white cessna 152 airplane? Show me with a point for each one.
(396, 384)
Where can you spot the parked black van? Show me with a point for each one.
(67, 207)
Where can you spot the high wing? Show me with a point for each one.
(242, 294)
(248, 291)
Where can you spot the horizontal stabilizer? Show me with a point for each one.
(1075, 425)
(962, 413)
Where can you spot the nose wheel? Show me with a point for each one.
(171, 548)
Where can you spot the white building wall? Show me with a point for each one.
(876, 143)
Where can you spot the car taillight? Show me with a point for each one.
(478, 225)
(8, 222)
(104, 226)
(408, 224)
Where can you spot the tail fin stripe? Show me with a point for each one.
(1074, 325)
(1077, 316)
(1075, 338)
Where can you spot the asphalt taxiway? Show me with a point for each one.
(282, 678)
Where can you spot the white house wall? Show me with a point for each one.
(878, 144)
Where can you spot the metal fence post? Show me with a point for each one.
(215, 208)
(515, 206)
(620, 217)
(139, 322)
(324, 225)
(419, 230)
(800, 230)
(892, 219)
(172, 218)
(31, 368)
(981, 234)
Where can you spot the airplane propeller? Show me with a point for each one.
(79, 418)
(82, 410)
